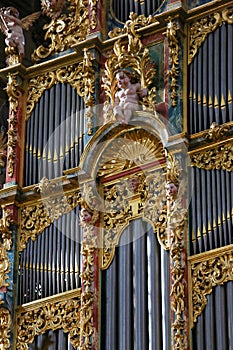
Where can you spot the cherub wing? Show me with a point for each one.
(3, 25)
(27, 22)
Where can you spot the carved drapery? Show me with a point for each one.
(208, 273)
(173, 71)
(57, 313)
(35, 218)
(14, 95)
(204, 26)
(80, 76)
(65, 31)
(5, 327)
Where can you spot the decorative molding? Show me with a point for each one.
(51, 315)
(131, 56)
(199, 29)
(135, 22)
(216, 157)
(173, 45)
(80, 76)
(5, 328)
(206, 275)
(5, 245)
(65, 31)
(13, 96)
(35, 218)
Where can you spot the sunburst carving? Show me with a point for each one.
(136, 148)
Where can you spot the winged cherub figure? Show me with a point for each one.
(13, 27)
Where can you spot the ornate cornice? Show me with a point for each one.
(206, 275)
(199, 29)
(173, 71)
(40, 317)
(13, 96)
(80, 76)
(36, 217)
(65, 31)
(5, 328)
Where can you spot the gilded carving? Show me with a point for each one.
(134, 21)
(52, 8)
(5, 328)
(134, 59)
(173, 45)
(51, 315)
(201, 28)
(35, 218)
(80, 76)
(5, 245)
(206, 275)
(13, 95)
(65, 31)
(176, 225)
(217, 157)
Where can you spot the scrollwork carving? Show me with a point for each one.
(206, 275)
(93, 13)
(65, 31)
(216, 131)
(218, 157)
(80, 76)
(50, 316)
(204, 26)
(35, 218)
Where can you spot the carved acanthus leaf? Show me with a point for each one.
(5, 245)
(5, 328)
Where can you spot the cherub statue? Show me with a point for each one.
(12, 26)
(127, 97)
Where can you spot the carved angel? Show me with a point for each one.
(52, 8)
(12, 27)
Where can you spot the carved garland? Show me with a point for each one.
(65, 31)
(35, 218)
(173, 72)
(13, 95)
(200, 29)
(50, 316)
(80, 76)
(206, 275)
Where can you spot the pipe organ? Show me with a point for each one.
(116, 176)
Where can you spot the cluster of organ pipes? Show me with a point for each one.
(211, 216)
(54, 134)
(211, 81)
(122, 8)
(51, 264)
